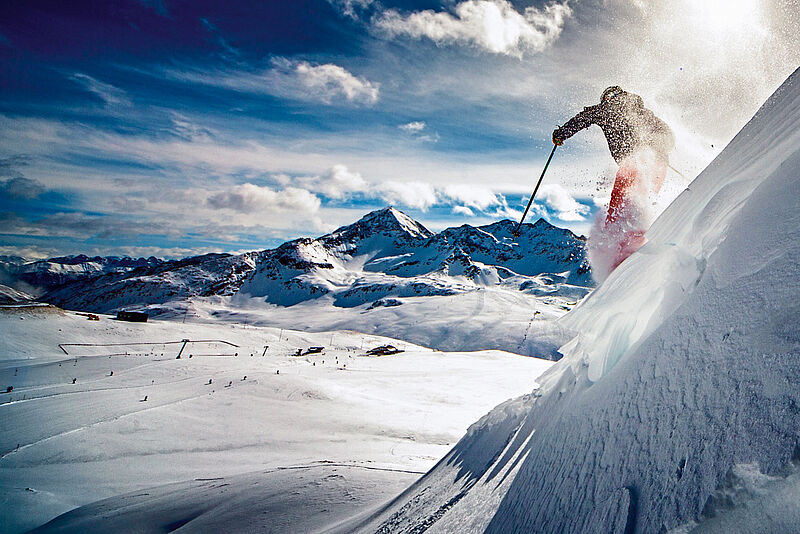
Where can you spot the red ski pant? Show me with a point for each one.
(631, 179)
(633, 184)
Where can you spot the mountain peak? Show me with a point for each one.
(392, 219)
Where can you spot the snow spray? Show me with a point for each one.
(619, 232)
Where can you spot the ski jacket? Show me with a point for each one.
(627, 125)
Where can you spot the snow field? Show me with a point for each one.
(97, 438)
(489, 318)
(280, 501)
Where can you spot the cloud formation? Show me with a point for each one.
(21, 187)
(16, 185)
(559, 199)
(418, 130)
(112, 96)
(288, 78)
(351, 8)
(419, 195)
(492, 25)
(81, 225)
(338, 182)
(251, 198)
(472, 196)
(326, 82)
(413, 127)
(463, 210)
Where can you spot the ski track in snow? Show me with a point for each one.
(106, 420)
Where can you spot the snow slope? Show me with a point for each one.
(349, 423)
(10, 295)
(279, 501)
(683, 372)
(502, 318)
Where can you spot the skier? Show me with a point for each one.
(640, 143)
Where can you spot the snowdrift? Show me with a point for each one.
(684, 373)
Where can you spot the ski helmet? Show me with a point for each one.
(611, 92)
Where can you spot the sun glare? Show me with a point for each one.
(724, 16)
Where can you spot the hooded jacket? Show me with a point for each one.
(627, 125)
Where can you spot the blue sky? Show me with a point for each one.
(172, 128)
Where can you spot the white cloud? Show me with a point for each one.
(419, 195)
(559, 199)
(189, 130)
(416, 129)
(463, 210)
(507, 212)
(112, 96)
(493, 25)
(351, 8)
(327, 83)
(250, 198)
(413, 127)
(330, 81)
(473, 196)
(338, 182)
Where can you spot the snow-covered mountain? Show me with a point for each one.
(40, 276)
(209, 274)
(10, 295)
(385, 254)
(676, 407)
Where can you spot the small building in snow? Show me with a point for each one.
(132, 316)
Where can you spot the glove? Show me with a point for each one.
(557, 139)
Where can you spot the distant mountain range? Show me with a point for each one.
(384, 256)
(41, 276)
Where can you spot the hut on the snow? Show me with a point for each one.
(132, 316)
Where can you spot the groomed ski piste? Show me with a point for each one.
(676, 407)
(238, 434)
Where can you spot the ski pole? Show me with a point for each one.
(515, 233)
